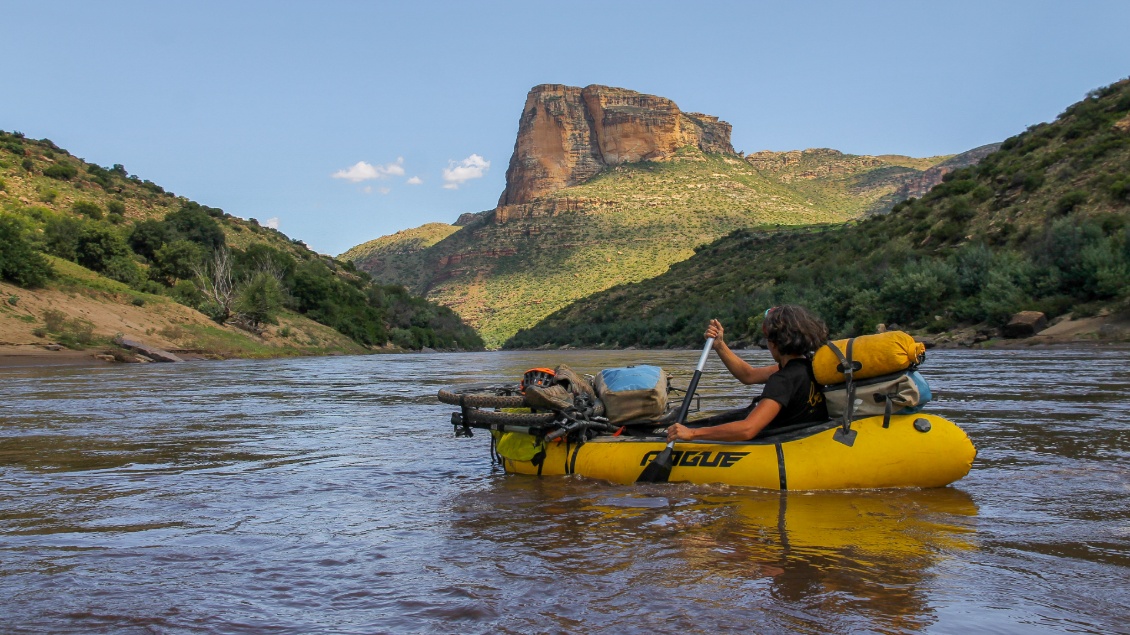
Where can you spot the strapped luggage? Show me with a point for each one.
(871, 356)
(899, 393)
(632, 393)
(872, 375)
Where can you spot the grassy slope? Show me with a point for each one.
(1053, 189)
(633, 223)
(396, 254)
(96, 309)
(32, 195)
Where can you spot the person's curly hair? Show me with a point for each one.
(794, 330)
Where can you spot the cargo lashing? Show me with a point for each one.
(844, 434)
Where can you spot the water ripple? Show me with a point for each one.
(328, 496)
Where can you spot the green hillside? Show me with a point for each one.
(1041, 224)
(397, 255)
(152, 246)
(509, 268)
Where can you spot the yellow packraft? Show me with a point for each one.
(879, 354)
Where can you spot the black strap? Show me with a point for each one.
(573, 462)
(781, 467)
(848, 367)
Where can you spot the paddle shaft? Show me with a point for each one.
(665, 456)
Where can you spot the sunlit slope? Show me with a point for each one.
(1042, 224)
(399, 254)
(511, 267)
(129, 233)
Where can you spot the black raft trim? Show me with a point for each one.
(781, 466)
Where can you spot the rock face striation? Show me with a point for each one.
(567, 135)
(920, 184)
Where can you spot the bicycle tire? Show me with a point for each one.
(509, 418)
(482, 396)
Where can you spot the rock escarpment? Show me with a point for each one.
(922, 183)
(567, 135)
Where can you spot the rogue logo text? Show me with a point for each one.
(698, 459)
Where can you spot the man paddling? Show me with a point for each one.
(791, 394)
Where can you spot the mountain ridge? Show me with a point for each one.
(511, 266)
(1042, 224)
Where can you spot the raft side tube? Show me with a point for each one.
(901, 455)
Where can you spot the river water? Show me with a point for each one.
(328, 495)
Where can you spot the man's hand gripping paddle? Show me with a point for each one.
(659, 470)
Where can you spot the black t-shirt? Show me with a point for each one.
(796, 390)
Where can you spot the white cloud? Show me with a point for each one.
(368, 189)
(473, 167)
(415, 181)
(273, 223)
(362, 171)
(385, 190)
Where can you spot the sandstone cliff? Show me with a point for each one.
(567, 135)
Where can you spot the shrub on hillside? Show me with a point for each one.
(194, 223)
(100, 175)
(148, 236)
(20, 263)
(177, 260)
(60, 236)
(1069, 201)
(1120, 190)
(98, 245)
(1104, 269)
(259, 300)
(61, 171)
(262, 257)
(186, 293)
(76, 333)
(88, 209)
(123, 269)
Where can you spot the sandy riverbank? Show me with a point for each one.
(19, 356)
(1106, 330)
(37, 355)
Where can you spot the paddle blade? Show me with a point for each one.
(659, 470)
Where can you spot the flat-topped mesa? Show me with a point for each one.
(567, 135)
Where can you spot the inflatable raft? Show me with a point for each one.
(919, 450)
(895, 451)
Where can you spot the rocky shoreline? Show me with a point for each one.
(1107, 330)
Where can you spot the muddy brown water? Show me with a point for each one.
(328, 495)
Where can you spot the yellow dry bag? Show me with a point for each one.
(879, 354)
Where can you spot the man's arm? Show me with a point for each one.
(743, 430)
(737, 366)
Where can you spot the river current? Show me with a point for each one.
(329, 495)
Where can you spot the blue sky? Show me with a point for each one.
(254, 107)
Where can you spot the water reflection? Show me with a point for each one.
(864, 557)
